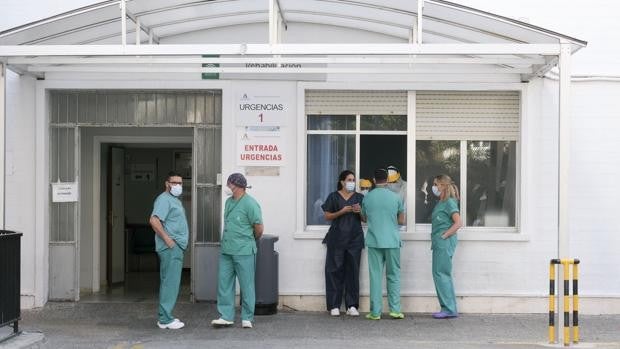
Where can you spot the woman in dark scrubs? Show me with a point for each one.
(345, 241)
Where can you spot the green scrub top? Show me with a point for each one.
(381, 208)
(171, 213)
(442, 221)
(239, 219)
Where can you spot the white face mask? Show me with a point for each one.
(350, 186)
(436, 191)
(176, 189)
(228, 191)
(364, 192)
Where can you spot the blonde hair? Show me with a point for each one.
(452, 191)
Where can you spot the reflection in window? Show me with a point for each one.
(328, 155)
(383, 123)
(434, 158)
(331, 122)
(491, 183)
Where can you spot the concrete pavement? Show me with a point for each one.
(132, 325)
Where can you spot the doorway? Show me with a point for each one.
(132, 176)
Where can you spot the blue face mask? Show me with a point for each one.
(176, 190)
(436, 191)
(350, 186)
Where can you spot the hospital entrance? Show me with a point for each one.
(133, 175)
(113, 150)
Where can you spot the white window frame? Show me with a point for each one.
(417, 232)
(358, 132)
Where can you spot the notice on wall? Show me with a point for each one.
(64, 192)
(260, 147)
(264, 105)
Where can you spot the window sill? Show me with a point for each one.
(422, 233)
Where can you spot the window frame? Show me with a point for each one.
(421, 232)
(357, 133)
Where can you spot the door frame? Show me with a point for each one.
(97, 142)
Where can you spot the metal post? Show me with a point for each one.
(563, 156)
(2, 141)
(576, 301)
(552, 301)
(273, 22)
(123, 22)
(419, 24)
(566, 322)
(138, 31)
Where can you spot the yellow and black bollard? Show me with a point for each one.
(552, 302)
(575, 301)
(566, 294)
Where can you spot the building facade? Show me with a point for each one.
(291, 95)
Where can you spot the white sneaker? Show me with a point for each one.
(174, 325)
(353, 312)
(221, 323)
(246, 323)
(335, 312)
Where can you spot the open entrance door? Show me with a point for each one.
(116, 216)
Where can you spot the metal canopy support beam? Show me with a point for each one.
(138, 31)
(123, 22)
(419, 22)
(2, 142)
(140, 26)
(250, 70)
(281, 49)
(274, 22)
(297, 59)
(564, 161)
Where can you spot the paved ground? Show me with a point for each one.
(132, 325)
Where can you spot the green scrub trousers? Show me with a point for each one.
(243, 267)
(442, 276)
(170, 269)
(377, 258)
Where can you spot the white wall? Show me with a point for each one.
(594, 173)
(20, 171)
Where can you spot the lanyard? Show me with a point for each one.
(226, 214)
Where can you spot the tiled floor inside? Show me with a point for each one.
(138, 287)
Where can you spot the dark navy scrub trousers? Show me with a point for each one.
(345, 241)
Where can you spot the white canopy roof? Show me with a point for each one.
(448, 30)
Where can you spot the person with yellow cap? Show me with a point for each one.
(397, 185)
(365, 186)
(383, 210)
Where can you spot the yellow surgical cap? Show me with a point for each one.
(364, 183)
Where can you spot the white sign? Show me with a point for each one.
(259, 148)
(264, 105)
(64, 192)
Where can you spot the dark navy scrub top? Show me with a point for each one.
(346, 230)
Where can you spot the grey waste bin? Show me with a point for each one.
(266, 276)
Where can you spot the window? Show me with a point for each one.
(359, 143)
(490, 192)
(491, 183)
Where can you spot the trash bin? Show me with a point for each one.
(266, 276)
(10, 279)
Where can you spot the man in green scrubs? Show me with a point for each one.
(243, 224)
(383, 210)
(169, 222)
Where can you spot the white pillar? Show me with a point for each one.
(123, 22)
(563, 177)
(273, 22)
(419, 22)
(2, 140)
(138, 31)
(563, 151)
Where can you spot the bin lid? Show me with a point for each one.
(270, 237)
